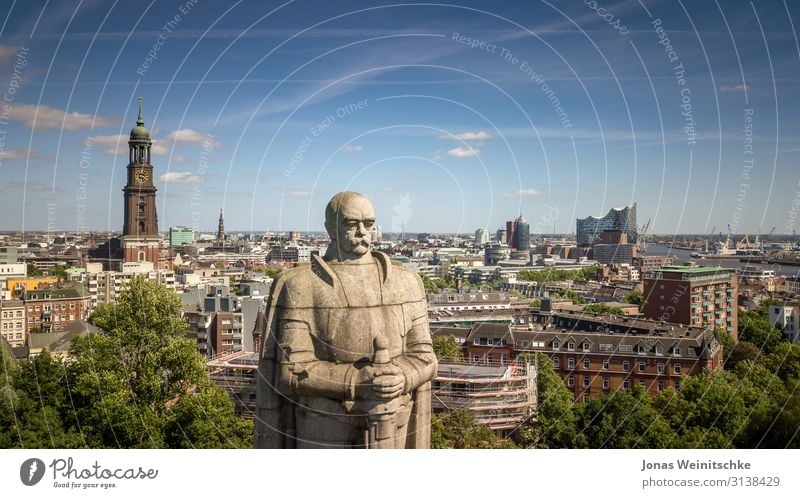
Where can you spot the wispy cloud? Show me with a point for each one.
(180, 177)
(7, 52)
(188, 135)
(525, 192)
(462, 151)
(468, 135)
(44, 117)
(301, 194)
(17, 154)
(353, 148)
(118, 144)
(734, 88)
(30, 186)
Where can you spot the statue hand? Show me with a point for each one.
(380, 382)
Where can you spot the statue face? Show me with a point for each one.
(352, 228)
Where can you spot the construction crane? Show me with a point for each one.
(642, 233)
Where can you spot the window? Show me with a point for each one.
(476, 341)
(660, 386)
(556, 362)
(606, 383)
(504, 359)
(661, 368)
(585, 381)
(626, 365)
(556, 345)
(571, 346)
(605, 364)
(570, 362)
(640, 348)
(476, 358)
(659, 349)
(585, 346)
(490, 341)
(642, 366)
(676, 351)
(642, 383)
(489, 359)
(677, 368)
(586, 363)
(626, 383)
(677, 385)
(571, 381)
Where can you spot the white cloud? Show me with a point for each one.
(734, 88)
(16, 154)
(181, 177)
(43, 117)
(469, 135)
(112, 144)
(388, 189)
(525, 192)
(188, 135)
(353, 148)
(305, 194)
(461, 151)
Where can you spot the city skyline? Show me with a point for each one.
(551, 111)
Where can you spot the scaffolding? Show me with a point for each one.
(236, 373)
(500, 397)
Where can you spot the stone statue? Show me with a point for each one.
(347, 358)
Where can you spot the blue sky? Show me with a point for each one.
(567, 109)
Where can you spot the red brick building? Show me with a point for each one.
(598, 354)
(701, 296)
(50, 310)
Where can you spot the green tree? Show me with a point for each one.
(60, 272)
(622, 419)
(633, 297)
(754, 326)
(571, 295)
(555, 423)
(458, 429)
(447, 348)
(712, 399)
(784, 361)
(602, 308)
(34, 272)
(430, 286)
(140, 381)
(739, 352)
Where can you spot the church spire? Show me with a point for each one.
(221, 229)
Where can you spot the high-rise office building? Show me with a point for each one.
(481, 237)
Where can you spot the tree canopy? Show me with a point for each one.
(138, 383)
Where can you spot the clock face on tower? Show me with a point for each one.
(141, 176)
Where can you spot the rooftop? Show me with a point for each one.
(694, 270)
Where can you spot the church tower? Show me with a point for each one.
(140, 239)
(221, 230)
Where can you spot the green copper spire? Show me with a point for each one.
(140, 133)
(140, 121)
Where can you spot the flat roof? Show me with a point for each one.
(693, 269)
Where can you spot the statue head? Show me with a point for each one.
(349, 217)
